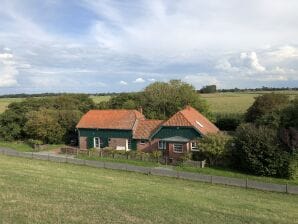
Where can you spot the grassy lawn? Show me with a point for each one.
(34, 191)
(24, 147)
(207, 170)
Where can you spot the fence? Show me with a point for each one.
(159, 171)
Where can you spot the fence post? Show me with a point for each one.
(211, 179)
(287, 188)
(246, 183)
(31, 155)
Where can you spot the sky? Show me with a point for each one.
(114, 46)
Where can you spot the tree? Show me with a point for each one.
(208, 89)
(160, 100)
(258, 151)
(214, 147)
(266, 104)
(44, 125)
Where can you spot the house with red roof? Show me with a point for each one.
(129, 130)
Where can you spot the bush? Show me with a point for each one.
(228, 122)
(257, 151)
(215, 147)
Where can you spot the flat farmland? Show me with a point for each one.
(237, 102)
(34, 191)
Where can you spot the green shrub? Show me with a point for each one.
(257, 151)
(215, 147)
(228, 122)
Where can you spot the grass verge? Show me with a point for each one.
(24, 147)
(34, 191)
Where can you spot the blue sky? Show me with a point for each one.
(124, 45)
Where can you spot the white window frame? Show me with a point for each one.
(194, 146)
(175, 149)
(143, 142)
(94, 142)
(161, 145)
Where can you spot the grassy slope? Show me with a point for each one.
(43, 192)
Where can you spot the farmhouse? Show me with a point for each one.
(130, 130)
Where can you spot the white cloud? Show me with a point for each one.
(139, 80)
(123, 83)
(285, 52)
(251, 60)
(200, 80)
(151, 80)
(8, 72)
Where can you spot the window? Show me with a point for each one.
(161, 145)
(194, 146)
(199, 124)
(142, 142)
(129, 143)
(178, 148)
(96, 142)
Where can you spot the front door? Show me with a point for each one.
(96, 143)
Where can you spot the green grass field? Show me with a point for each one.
(34, 191)
(236, 102)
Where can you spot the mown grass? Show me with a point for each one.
(24, 147)
(34, 191)
(98, 99)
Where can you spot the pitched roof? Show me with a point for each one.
(145, 128)
(190, 117)
(110, 119)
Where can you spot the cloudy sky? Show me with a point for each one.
(106, 45)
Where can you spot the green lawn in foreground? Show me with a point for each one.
(34, 191)
(24, 147)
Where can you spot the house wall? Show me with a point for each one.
(186, 132)
(149, 146)
(105, 135)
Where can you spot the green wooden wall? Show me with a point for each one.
(105, 134)
(167, 132)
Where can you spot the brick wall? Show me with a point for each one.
(176, 155)
(149, 146)
(83, 142)
(114, 142)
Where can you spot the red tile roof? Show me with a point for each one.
(190, 117)
(145, 128)
(110, 119)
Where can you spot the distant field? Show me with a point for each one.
(4, 102)
(35, 191)
(98, 99)
(236, 102)
(218, 102)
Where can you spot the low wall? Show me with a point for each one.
(159, 171)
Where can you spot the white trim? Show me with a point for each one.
(161, 145)
(94, 143)
(194, 148)
(177, 144)
(142, 142)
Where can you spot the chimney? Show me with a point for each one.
(140, 109)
